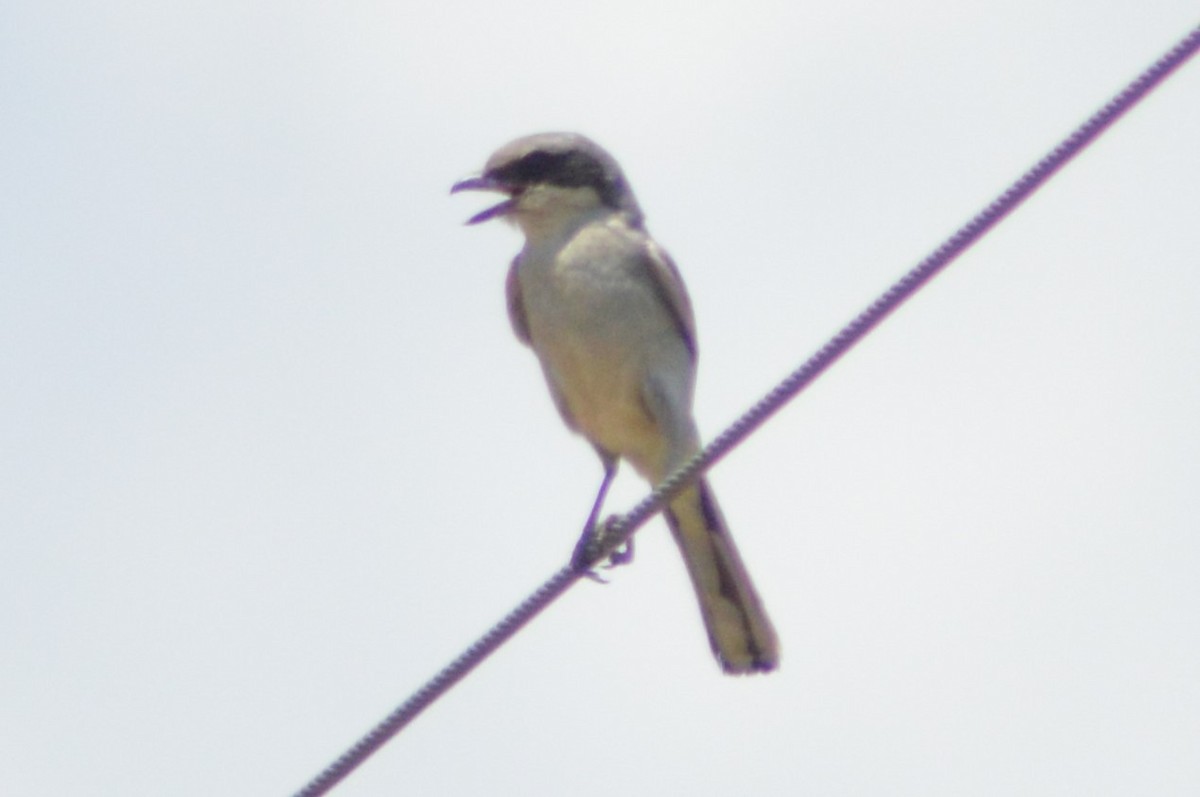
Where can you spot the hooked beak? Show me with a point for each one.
(487, 184)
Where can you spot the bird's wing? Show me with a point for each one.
(668, 285)
(516, 305)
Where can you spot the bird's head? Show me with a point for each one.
(550, 179)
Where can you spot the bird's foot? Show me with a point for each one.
(591, 548)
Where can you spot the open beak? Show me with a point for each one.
(487, 184)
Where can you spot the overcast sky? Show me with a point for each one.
(271, 455)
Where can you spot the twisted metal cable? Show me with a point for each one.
(434, 688)
(621, 530)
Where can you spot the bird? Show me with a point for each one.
(605, 310)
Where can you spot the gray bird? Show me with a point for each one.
(605, 310)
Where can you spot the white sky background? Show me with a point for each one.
(271, 455)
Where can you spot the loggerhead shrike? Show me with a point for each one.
(605, 310)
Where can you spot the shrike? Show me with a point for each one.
(605, 310)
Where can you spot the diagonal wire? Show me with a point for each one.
(622, 529)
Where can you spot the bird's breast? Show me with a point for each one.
(600, 329)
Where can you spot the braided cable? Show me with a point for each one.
(620, 530)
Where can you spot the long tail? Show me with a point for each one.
(739, 631)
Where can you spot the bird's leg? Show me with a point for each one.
(593, 541)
